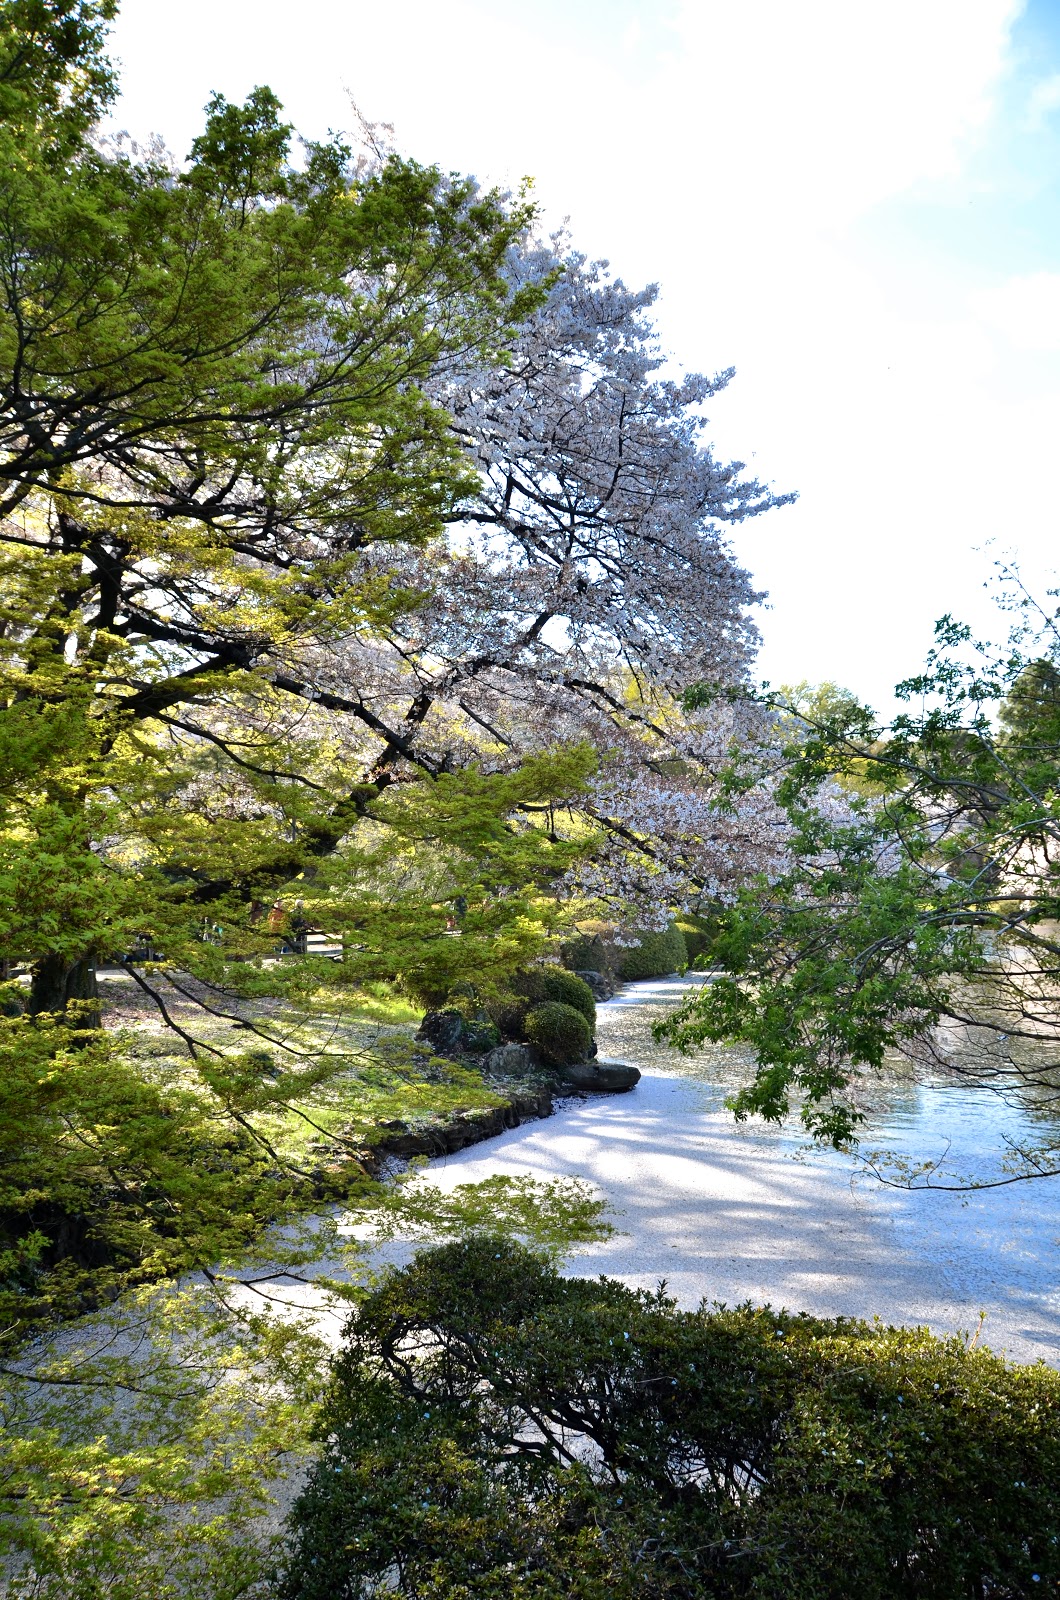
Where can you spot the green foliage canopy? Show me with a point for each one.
(921, 889)
(213, 417)
(497, 1430)
(212, 404)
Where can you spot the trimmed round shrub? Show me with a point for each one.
(560, 1033)
(570, 990)
(593, 949)
(674, 1455)
(656, 956)
(426, 989)
(538, 984)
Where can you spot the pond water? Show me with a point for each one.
(734, 1212)
(911, 1118)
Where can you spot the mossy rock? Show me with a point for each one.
(447, 1031)
(601, 1077)
(560, 1033)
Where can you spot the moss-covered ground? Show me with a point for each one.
(349, 1063)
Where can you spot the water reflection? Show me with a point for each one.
(748, 1212)
(912, 1117)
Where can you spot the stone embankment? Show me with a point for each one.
(526, 1085)
(447, 1135)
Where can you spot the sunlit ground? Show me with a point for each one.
(736, 1212)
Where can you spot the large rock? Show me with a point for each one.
(511, 1061)
(600, 1077)
(442, 1030)
(601, 983)
(448, 1032)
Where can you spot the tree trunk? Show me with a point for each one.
(57, 983)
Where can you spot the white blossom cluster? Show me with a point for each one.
(677, 845)
(596, 487)
(585, 587)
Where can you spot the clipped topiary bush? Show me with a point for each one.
(560, 1033)
(533, 987)
(538, 984)
(424, 989)
(699, 936)
(569, 990)
(530, 982)
(657, 955)
(495, 1430)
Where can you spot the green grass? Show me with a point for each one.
(351, 1059)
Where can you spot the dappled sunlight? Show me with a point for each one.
(733, 1212)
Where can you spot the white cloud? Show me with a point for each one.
(732, 153)
(841, 104)
(1025, 310)
(1044, 98)
(823, 102)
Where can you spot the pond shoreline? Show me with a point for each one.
(446, 1136)
(735, 1212)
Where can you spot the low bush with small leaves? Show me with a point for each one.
(655, 956)
(560, 1033)
(533, 987)
(495, 1430)
(538, 984)
(479, 1033)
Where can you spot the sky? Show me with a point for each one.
(856, 206)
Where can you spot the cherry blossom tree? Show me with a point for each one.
(583, 587)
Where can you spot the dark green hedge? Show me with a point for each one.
(569, 990)
(589, 953)
(532, 988)
(655, 956)
(699, 936)
(498, 1432)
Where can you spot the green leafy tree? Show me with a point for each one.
(214, 417)
(924, 892)
(54, 69)
(1029, 717)
(212, 402)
